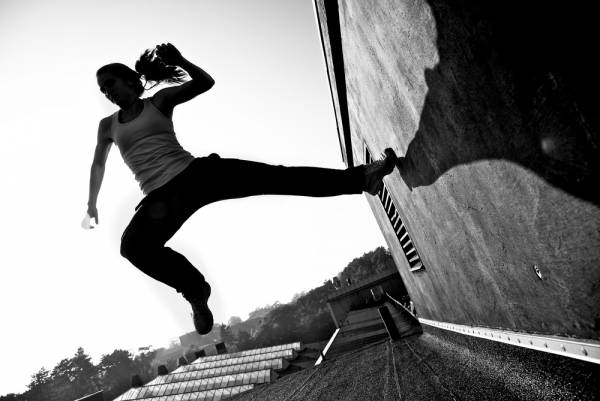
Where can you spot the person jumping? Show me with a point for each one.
(177, 184)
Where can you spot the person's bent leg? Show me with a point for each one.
(143, 244)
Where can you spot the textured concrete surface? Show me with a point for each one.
(438, 365)
(494, 107)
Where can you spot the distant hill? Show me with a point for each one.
(369, 264)
(306, 318)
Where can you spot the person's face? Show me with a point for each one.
(115, 89)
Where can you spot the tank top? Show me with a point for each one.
(149, 147)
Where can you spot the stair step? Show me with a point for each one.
(405, 323)
(360, 319)
(361, 337)
(351, 332)
(353, 345)
(351, 320)
(361, 314)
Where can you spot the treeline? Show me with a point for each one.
(77, 376)
(307, 317)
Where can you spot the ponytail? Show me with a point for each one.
(149, 67)
(154, 70)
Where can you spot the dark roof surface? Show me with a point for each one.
(437, 365)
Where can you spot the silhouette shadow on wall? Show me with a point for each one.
(514, 84)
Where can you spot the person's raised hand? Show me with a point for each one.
(168, 54)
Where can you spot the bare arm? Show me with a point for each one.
(166, 99)
(97, 170)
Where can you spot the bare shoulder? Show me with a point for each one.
(106, 122)
(105, 128)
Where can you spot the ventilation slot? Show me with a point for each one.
(410, 252)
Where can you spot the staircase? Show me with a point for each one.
(360, 328)
(365, 326)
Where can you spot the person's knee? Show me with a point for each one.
(125, 248)
(131, 249)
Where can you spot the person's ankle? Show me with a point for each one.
(375, 171)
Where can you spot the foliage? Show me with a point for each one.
(371, 263)
(75, 377)
(243, 339)
(226, 334)
(115, 371)
(304, 319)
(12, 397)
(298, 296)
(40, 385)
(262, 311)
(143, 365)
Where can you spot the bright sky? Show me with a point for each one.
(63, 287)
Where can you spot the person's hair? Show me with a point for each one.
(150, 68)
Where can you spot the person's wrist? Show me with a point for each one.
(181, 61)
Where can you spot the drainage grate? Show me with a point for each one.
(412, 256)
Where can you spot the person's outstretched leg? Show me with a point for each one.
(234, 178)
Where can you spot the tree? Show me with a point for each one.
(298, 295)
(75, 377)
(40, 386)
(243, 340)
(371, 263)
(143, 365)
(234, 320)
(115, 371)
(280, 326)
(12, 397)
(262, 311)
(39, 378)
(226, 334)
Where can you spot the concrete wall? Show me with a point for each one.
(494, 107)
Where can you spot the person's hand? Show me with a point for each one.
(168, 54)
(92, 213)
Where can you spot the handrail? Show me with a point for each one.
(399, 304)
(322, 357)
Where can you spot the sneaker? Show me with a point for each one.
(374, 172)
(203, 318)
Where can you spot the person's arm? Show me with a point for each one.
(166, 99)
(97, 170)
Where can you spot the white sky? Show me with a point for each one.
(63, 287)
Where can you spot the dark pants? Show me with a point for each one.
(210, 179)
